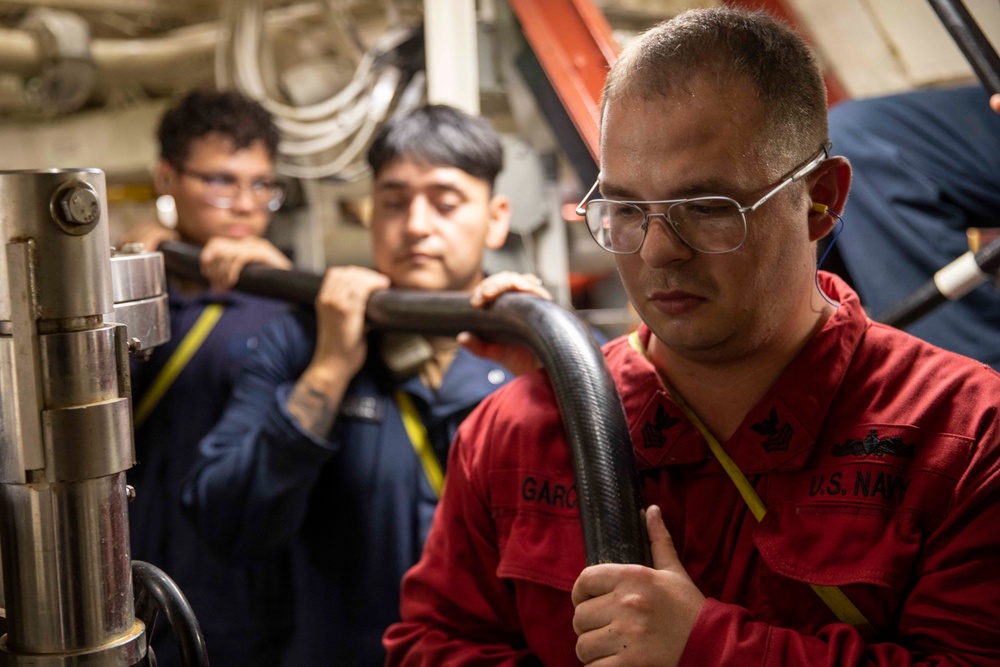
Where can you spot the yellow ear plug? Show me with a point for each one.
(820, 208)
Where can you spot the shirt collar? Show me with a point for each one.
(468, 380)
(779, 432)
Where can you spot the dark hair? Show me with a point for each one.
(238, 118)
(730, 45)
(441, 136)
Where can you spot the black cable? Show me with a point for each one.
(154, 591)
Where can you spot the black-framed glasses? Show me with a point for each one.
(711, 225)
(222, 189)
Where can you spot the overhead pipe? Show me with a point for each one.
(606, 476)
(144, 60)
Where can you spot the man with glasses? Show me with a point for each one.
(216, 167)
(709, 224)
(818, 489)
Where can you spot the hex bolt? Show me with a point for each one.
(79, 206)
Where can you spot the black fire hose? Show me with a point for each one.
(951, 282)
(606, 477)
(971, 40)
(155, 591)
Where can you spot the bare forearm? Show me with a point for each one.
(316, 398)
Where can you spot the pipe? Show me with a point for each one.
(65, 428)
(950, 283)
(144, 60)
(971, 40)
(604, 464)
(19, 52)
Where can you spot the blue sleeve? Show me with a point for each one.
(926, 168)
(248, 492)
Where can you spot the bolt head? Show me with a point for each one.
(80, 206)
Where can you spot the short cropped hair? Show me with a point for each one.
(225, 112)
(440, 136)
(730, 45)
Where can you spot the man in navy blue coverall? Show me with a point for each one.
(927, 168)
(216, 163)
(334, 444)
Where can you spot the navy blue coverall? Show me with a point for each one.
(241, 610)
(926, 168)
(353, 509)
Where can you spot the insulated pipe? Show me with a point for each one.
(950, 283)
(606, 476)
(144, 60)
(19, 52)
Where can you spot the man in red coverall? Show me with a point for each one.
(863, 523)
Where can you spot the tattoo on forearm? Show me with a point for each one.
(314, 409)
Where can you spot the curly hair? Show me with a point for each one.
(226, 112)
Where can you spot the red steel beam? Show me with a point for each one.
(574, 45)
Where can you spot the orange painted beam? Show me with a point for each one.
(572, 41)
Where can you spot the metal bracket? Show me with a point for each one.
(28, 452)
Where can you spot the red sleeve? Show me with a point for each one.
(455, 610)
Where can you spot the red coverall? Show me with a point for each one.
(876, 454)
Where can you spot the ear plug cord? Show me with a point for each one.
(823, 208)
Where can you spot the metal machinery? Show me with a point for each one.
(66, 421)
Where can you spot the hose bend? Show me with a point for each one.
(155, 591)
(591, 409)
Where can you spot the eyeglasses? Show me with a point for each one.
(222, 189)
(711, 225)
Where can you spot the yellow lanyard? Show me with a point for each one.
(832, 596)
(421, 442)
(177, 361)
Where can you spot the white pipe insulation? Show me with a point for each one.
(142, 60)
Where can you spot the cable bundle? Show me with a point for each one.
(326, 139)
